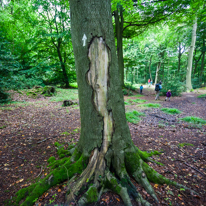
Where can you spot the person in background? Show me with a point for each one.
(168, 95)
(149, 82)
(158, 87)
(140, 89)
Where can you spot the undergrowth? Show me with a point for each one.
(65, 94)
(134, 116)
(151, 105)
(171, 110)
(193, 120)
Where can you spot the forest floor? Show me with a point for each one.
(30, 127)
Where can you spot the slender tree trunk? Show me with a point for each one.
(179, 57)
(150, 62)
(66, 81)
(157, 72)
(190, 57)
(203, 61)
(118, 14)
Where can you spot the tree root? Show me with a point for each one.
(98, 178)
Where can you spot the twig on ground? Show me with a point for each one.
(191, 167)
(40, 172)
(45, 139)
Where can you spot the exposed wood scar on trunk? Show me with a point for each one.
(98, 78)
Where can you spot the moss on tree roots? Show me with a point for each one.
(81, 175)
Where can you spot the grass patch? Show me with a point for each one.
(134, 116)
(139, 101)
(7, 108)
(127, 103)
(193, 120)
(171, 110)
(202, 96)
(185, 144)
(151, 105)
(138, 95)
(65, 94)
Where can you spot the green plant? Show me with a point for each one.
(134, 116)
(124, 92)
(52, 200)
(2, 127)
(185, 144)
(202, 96)
(161, 125)
(193, 120)
(171, 110)
(65, 133)
(151, 105)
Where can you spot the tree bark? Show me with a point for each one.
(190, 57)
(118, 14)
(202, 61)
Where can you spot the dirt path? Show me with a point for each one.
(29, 130)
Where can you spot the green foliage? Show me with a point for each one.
(134, 116)
(125, 92)
(173, 84)
(193, 120)
(171, 110)
(129, 86)
(185, 144)
(151, 105)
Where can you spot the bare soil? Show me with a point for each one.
(30, 129)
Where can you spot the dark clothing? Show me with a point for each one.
(168, 94)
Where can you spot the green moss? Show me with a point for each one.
(61, 151)
(64, 170)
(113, 185)
(51, 159)
(132, 161)
(154, 176)
(92, 194)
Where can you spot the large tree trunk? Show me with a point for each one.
(105, 157)
(190, 57)
(118, 14)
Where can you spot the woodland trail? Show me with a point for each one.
(30, 129)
